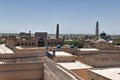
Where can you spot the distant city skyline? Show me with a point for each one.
(73, 16)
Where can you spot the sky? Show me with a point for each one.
(73, 16)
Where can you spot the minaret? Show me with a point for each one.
(97, 30)
(57, 32)
(30, 33)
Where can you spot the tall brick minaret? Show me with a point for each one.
(57, 32)
(97, 30)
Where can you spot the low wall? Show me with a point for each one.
(64, 59)
(20, 55)
(21, 58)
(53, 71)
(99, 52)
(30, 50)
(24, 71)
(65, 49)
(101, 60)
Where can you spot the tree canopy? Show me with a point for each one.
(75, 43)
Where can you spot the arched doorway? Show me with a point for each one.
(41, 42)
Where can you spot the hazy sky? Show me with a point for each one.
(74, 16)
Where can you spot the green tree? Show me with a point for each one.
(75, 43)
(117, 43)
(1, 42)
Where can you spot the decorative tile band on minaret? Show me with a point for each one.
(57, 32)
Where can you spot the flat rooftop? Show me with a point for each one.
(60, 54)
(88, 49)
(4, 49)
(74, 65)
(110, 73)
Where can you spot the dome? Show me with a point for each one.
(101, 41)
(103, 34)
(58, 46)
(72, 46)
